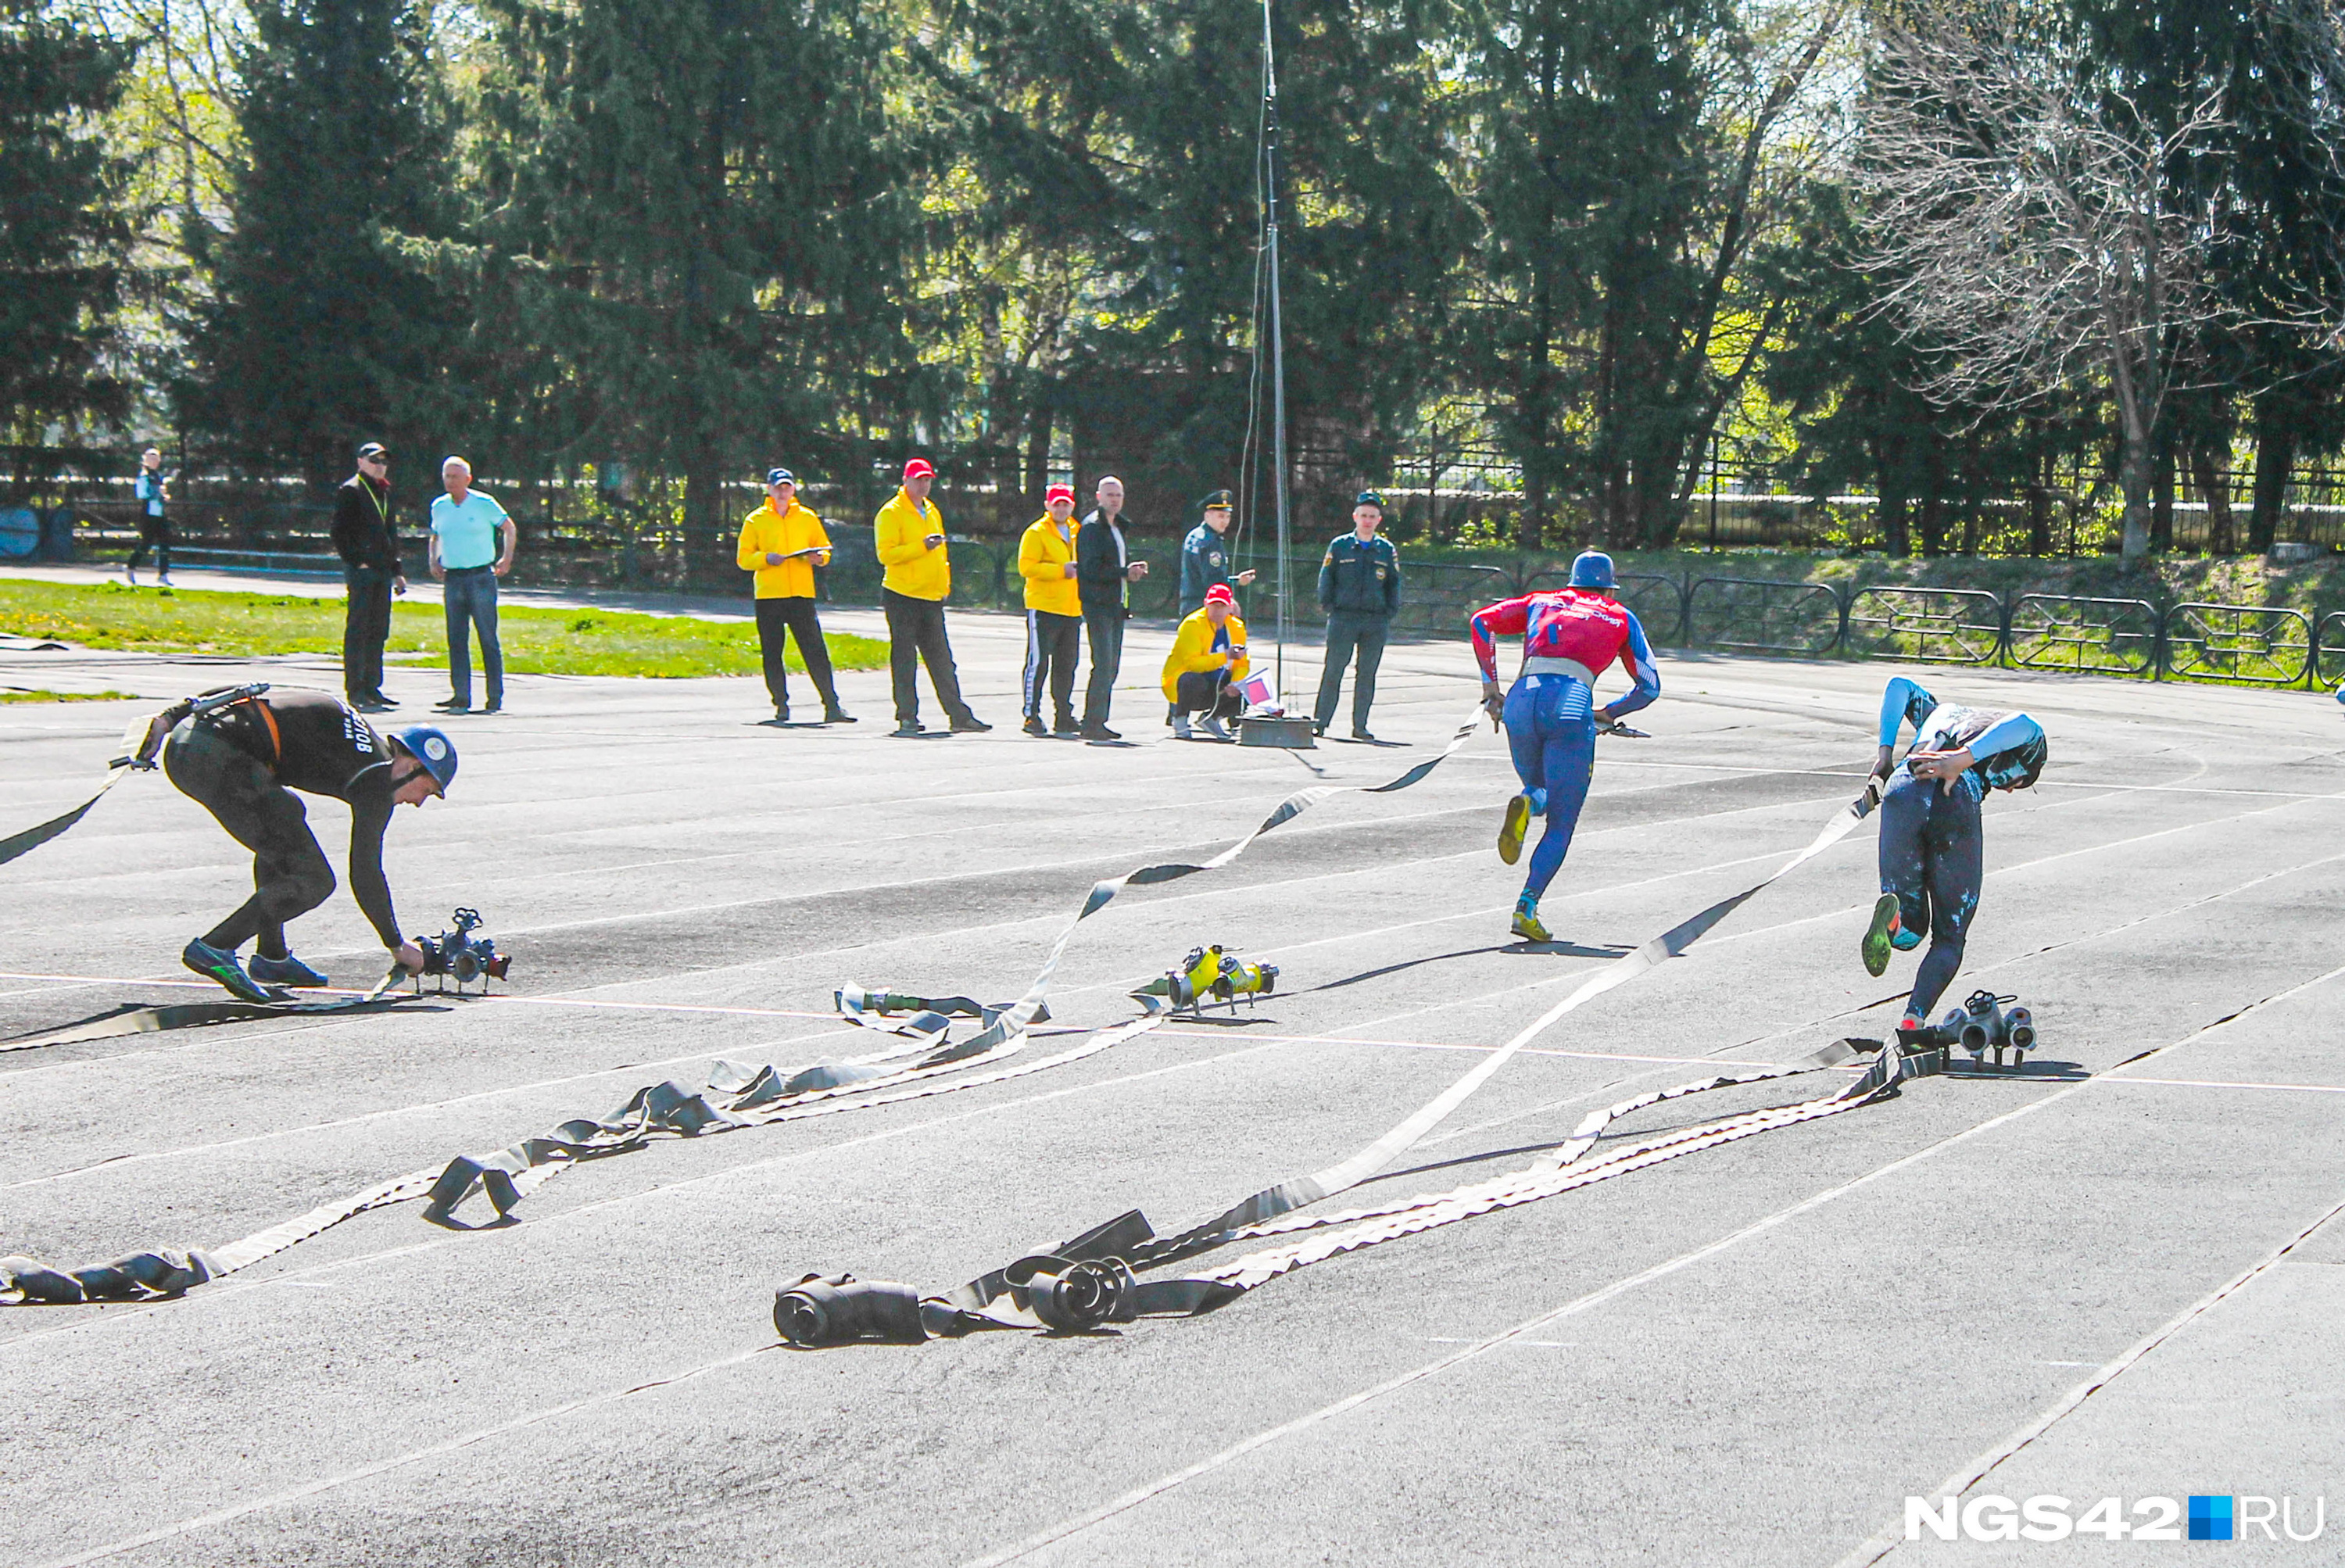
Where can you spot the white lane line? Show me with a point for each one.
(1452, 1045)
(1212, 1462)
(1887, 1540)
(365, 1472)
(2118, 1076)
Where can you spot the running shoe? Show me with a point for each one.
(214, 965)
(1527, 922)
(286, 971)
(1878, 935)
(1181, 727)
(1511, 828)
(969, 724)
(1212, 727)
(1034, 726)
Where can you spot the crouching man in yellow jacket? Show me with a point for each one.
(1207, 661)
(782, 543)
(909, 536)
(1055, 611)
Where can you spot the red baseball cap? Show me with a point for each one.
(919, 468)
(1219, 593)
(1065, 492)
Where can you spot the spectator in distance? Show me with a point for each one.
(1104, 574)
(1359, 587)
(1207, 661)
(153, 489)
(909, 536)
(368, 542)
(783, 541)
(1055, 611)
(466, 524)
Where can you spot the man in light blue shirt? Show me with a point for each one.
(472, 547)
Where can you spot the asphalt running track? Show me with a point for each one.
(1751, 1355)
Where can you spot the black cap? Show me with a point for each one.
(1369, 498)
(373, 449)
(1219, 499)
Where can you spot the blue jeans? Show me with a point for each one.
(1553, 739)
(470, 595)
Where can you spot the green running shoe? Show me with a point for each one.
(1527, 922)
(1516, 822)
(214, 965)
(1875, 947)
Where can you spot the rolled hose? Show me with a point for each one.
(841, 1309)
(1073, 1296)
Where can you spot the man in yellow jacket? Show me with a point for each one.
(909, 534)
(1055, 611)
(1207, 661)
(783, 541)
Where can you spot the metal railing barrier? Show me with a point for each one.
(2243, 643)
(2105, 637)
(1934, 625)
(1756, 614)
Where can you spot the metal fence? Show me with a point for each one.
(1937, 626)
(2237, 643)
(2060, 631)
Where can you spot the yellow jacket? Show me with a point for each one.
(1043, 557)
(913, 570)
(1193, 649)
(766, 532)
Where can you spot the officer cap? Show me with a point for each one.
(1219, 501)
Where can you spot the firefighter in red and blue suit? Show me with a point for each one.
(1550, 715)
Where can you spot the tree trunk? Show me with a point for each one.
(2161, 500)
(704, 501)
(1038, 452)
(2135, 466)
(1896, 533)
(2275, 455)
(2213, 483)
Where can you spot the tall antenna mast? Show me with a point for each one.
(1277, 337)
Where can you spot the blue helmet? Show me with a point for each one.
(430, 745)
(1593, 569)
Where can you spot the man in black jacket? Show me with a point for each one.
(1104, 573)
(368, 542)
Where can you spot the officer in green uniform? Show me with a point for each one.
(1205, 557)
(1359, 587)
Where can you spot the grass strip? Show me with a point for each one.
(36, 694)
(537, 640)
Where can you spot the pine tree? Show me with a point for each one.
(700, 209)
(323, 333)
(64, 233)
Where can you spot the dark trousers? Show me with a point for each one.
(1349, 632)
(916, 636)
(1053, 643)
(1933, 858)
(366, 627)
(1201, 692)
(1105, 627)
(289, 873)
(154, 533)
(794, 617)
(470, 595)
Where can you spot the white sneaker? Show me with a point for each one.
(1212, 727)
(1181, 727)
